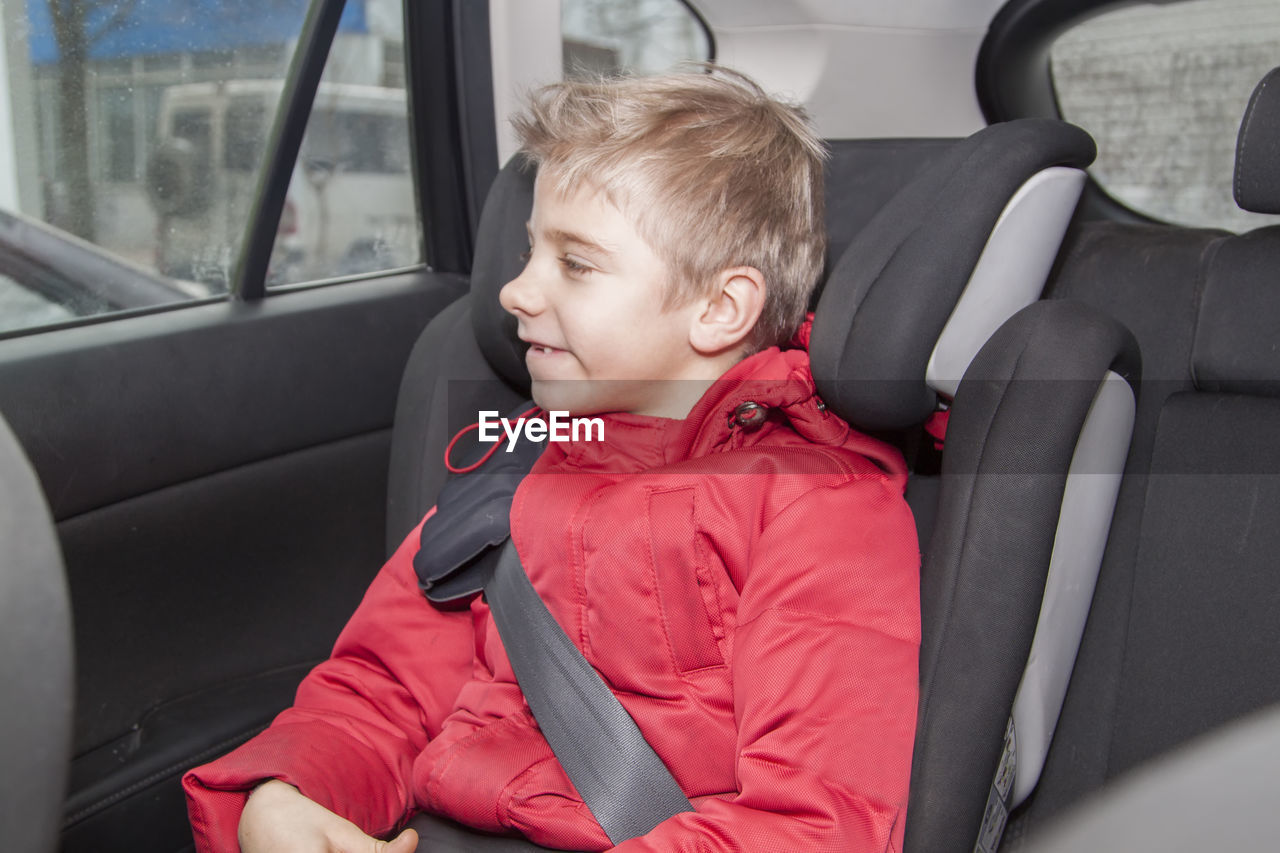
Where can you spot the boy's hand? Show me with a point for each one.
(279, 819)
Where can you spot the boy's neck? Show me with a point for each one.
(685, 391)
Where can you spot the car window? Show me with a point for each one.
(632, 36)
(1162, 88)
(106, 159)
(137, 131)
(350, 207)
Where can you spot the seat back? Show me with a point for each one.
(1040, 451)
(35, 660)
(1034, 448)
(1183, 635)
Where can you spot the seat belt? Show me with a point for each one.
(619, 776)
(466, 548)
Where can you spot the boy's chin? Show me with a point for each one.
(582, 397)
(668, 398)
(576, 397)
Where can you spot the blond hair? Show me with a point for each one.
(711, 171)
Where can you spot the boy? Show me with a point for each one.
(736, 562)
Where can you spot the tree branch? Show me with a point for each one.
(123, 12)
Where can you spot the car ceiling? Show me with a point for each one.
(866, 68)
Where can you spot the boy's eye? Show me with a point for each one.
(574, 266)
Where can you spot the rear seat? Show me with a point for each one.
(1183, 635)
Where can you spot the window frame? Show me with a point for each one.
(449, 94)
(1013, 78)
(452, 156)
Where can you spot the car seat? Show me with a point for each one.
(1183, 636)
(35, 660)
(955, 253)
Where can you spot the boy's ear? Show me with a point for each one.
(727, 316)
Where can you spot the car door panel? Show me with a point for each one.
(218, 478)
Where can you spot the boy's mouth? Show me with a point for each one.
(536, 348)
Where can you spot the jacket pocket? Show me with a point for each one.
(680, 578)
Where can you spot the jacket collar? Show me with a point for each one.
(762, 393)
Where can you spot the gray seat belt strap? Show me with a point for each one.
(619, 776)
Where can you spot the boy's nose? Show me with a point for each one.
(521, 295)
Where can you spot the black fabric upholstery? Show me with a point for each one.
(1147, 277)
(313, 518)
(1236, 333)
(437, 835)
(1257, 178)
(1169, 647)
(1010, 440)
(35, 660)
(1202, 632)
(889, 296)
(862, 176)
(500, 241)
(446, 383)
(1197, 631)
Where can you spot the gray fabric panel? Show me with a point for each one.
(1217, 794)
(1239, 323)
(1202, 646)
(889, 296)
(1011, 436)
(1257, 176)
(35, 660)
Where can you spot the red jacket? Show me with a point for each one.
(750, 595)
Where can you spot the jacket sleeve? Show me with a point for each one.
(359, 719)
(825, 674)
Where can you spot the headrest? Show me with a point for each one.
(891, 293)
(500, 240)
(886, 300)
(1257, 180)
(1235, 344)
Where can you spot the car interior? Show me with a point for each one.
(196, 494)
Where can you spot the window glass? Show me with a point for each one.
(350, 208)
(140, 127)
(246, 127)
(111, 145)
(1162, 88)
(632, 36)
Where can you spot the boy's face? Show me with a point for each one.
(589, 302)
